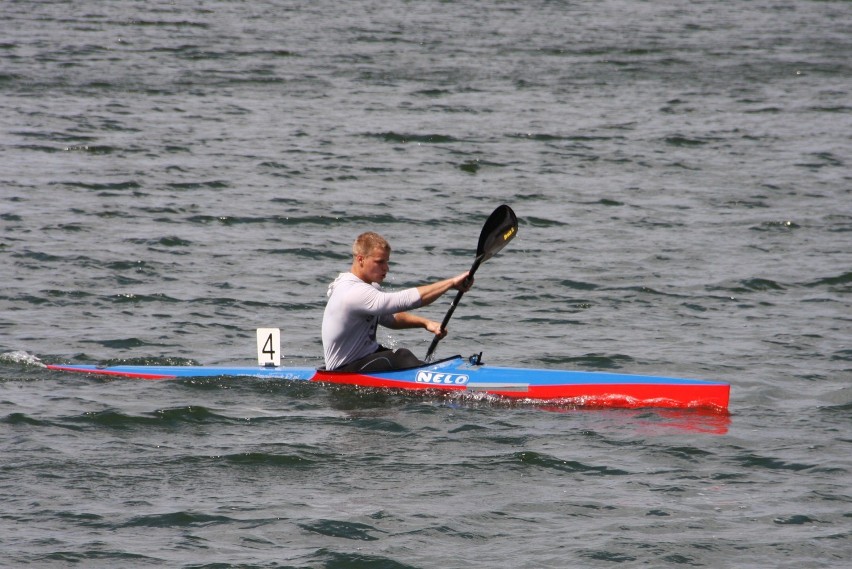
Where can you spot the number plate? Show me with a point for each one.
(269, 347)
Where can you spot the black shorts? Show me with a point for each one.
(384, 359)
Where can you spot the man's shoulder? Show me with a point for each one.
(349, 279)
(349, 282)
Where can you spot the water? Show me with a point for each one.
(174, 175)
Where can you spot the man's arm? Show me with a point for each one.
(431, 292)
(408, 320)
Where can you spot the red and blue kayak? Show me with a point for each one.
(458, 375)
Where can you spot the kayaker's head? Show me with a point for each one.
(370, 256)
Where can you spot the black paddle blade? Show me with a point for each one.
(500, 228)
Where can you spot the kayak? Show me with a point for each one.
(457, 375)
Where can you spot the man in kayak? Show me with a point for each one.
(357, 305)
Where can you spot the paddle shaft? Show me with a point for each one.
(456, 300)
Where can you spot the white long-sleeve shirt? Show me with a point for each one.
(353, 312)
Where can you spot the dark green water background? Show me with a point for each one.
(174, 175)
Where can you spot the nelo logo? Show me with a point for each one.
(441, 378)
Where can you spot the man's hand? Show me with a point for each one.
(463, 282)
(435, 328)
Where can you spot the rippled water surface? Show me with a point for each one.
(174, 175)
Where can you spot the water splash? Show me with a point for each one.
(21, 357)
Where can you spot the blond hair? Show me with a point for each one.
(368, 242)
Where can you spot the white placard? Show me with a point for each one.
(269, 347)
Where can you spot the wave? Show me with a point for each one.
(102, 186)
(541, 460)
(342, 529)
(181, 519)
(22, 419)
(843, 280)
(404, 138)
(590, 361)
(118, 420)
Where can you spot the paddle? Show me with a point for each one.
(500, 228)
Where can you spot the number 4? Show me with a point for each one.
(269, 347)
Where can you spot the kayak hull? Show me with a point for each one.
(457, 375)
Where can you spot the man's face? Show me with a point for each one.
(374, 267)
